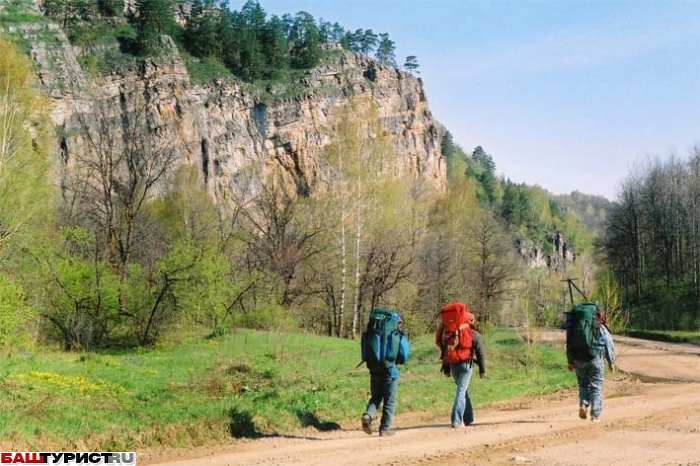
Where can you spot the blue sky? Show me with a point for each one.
(564, 94)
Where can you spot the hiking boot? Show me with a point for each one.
(386, 432)
(367, 423)
(594, 419)
(582, 412)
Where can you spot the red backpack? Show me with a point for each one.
(454, 335)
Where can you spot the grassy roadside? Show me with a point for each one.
(668, 336)
(197, 391)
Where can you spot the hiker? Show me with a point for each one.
(383, 345)
(455, 337)
(590, 369)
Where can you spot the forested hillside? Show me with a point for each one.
(111, 241)
(652, 243)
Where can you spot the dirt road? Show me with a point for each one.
(651, 416)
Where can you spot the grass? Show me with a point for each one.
(18, 11)
(195, 391)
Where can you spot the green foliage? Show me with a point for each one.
(18, 11)
(207, 70)
(483, 169)
(25, 194)
(411, 64)
(652, 244)
(610, 297)
(456, 158)
(591, 210)
(201, 29)
(304, 41)
(81, 294)
(15, 313)
(385, 51)
(665, 308)
(110, 7)
(155, 17)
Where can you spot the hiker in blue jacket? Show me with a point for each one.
(384, 378)
(590, 374)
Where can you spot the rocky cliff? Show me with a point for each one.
(555, 255)
(228, 130)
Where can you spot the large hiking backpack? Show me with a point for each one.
(383, 344)
(454, 335)
(583, 332)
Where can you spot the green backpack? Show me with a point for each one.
(381, 340)
(583, 332)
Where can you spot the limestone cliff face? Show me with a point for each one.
(228, 130)
(557, 260)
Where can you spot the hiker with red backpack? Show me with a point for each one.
(589, 346)
(459, 343)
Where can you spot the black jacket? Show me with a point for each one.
(478, 355)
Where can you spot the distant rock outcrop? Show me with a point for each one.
(559, 256)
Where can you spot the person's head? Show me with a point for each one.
(601, 317)
(599, 313)
(474, 323)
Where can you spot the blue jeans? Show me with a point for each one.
(589, 375)
(462, 374)
(383, 390)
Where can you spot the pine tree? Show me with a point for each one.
(411, 64)
(201, 30)
(154, 18)
(305, 41)
(385, 51)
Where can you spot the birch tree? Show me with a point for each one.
(358, 160)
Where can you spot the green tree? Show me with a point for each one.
(385, 51)
(82, 293)
(441, 254)
(367, 41)
(351, 40)
(515, 205)
(201, 33)
(110, 7)
(154, 18)
(304, 41)
(275, 48)
(23, 145)
(331, 33)
(411, 64)
(26, 196)
(68, 12)
(492, 270)
(485, 173)
(113, 181)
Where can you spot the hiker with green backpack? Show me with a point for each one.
(589, 345)
(383, 345)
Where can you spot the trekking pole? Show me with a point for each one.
(571, 283)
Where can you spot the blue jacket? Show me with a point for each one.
(605, 342)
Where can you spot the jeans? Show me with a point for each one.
(462, 374)
(383, 390)
(589, 375)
